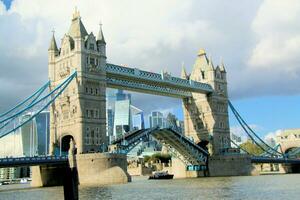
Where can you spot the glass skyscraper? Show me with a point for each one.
(156, 119)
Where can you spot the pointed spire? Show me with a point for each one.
(77, 29)
(183, 72)
(210, 63)
(222, 67)
(53, 46)
(100, 36)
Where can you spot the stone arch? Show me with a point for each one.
(65, 143)
(287, 150)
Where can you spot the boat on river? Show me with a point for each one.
(161, 175)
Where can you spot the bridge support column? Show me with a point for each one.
(93, 169)
(179, 169)
(231, 165)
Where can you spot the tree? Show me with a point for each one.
(251, 148)
(163, 158)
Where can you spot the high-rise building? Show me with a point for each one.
(122, 117)
(120, 95)
(43, 132)
(110, 122)
(137, 118)
(126, 117)
(156, 119)
(30, 140)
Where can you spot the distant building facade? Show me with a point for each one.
(235, 139)
(288, 139)
(31, 139)
(122, 119)
(126, 117)
(156, 119)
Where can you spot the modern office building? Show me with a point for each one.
(126, 117)
(120, 95)
(137, 118)
(156, 119)
(110, 121)
(122, 117)
(30, 140)
(43, 133)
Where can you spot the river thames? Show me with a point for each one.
(281, 187)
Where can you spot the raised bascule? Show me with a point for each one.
(79, 76)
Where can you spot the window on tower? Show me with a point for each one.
(92, 46)
(92, 61)
(203, 74)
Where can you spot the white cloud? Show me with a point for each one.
(272, 135)
(239, 131)
(278, 35)
(156, 35)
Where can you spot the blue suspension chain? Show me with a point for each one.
(231, 106)
(242, 123)
(40, 90)
(62, 85)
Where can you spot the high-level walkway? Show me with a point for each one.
(152, 83)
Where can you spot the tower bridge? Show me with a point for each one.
(79, 75)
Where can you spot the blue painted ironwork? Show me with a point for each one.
(119, 75)
(196, 168)
(259, 159)
(42, 103)
(33, 161)
(151, 88)
(189, 151)
(33, 98)
(249, 131)
(179, 145)
(131, 139)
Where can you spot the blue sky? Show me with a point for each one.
(266, 114)
(7, 3)
(258, 40)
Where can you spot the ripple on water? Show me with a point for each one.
(266, 187)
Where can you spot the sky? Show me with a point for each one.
(258, 41)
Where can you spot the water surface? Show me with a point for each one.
(265, 187)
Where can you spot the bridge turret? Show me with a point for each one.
(183, 72)
(80, 112)
(101, 44)
(206, 116)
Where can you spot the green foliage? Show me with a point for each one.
(163, 158)
(251, 148)
(146, 158)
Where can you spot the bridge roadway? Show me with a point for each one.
(186, 150)
(33, 161)
(274, 160)
(153, 83)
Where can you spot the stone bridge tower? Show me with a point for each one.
(79, 113)
(206, 116)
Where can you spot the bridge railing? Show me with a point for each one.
(150, 76)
